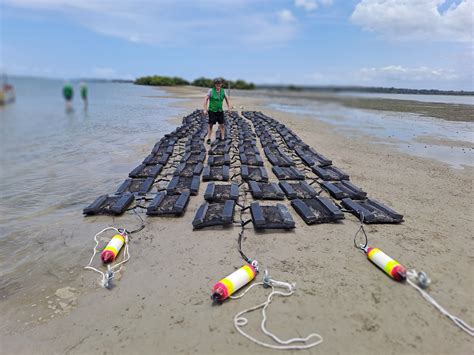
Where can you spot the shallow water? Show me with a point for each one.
(54, 163)
(447, 99)
(402, 130)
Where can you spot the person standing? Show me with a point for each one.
(68, 93)
(83, 89)
(213, 105)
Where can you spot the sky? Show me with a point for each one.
(392, 43)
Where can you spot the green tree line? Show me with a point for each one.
(157, 80)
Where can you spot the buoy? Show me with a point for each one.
(112, 249)
(391, 267)
(230, 284)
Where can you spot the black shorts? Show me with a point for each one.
(216, 117)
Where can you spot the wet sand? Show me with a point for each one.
(161, 300)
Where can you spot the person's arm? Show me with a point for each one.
(227, 100)
(206, 102)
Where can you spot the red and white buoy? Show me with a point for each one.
(230, 284)
(112, 249)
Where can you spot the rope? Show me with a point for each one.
(458, 321)
(289, 344)
(109, 274)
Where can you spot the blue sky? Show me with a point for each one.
(401, 43)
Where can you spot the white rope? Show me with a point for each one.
(458, 321)
(240, 321)
(110, 269)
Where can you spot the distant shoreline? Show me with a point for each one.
(296, 88)
(362, 89)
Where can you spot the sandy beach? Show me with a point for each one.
(161, 301)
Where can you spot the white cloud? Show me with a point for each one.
(397, 73)
(172, 23)
(311, 5)
(420, 19)
(308, 5)
(286, 16)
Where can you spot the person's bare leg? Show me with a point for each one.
(221, 126)
(209, 134)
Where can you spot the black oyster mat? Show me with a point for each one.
(271, 217)
(110, 205)
(266, 191)
(317, 210)
(168, 205)
(288, 173)
(300, 189)
(371, 211)
(344, 189)
(145, 171)
(221, 192)
(180, 184)
(216, 173)
(255, 173)
(214, 214)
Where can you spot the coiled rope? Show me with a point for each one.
(290, 344)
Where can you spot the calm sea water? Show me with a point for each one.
(54, 163)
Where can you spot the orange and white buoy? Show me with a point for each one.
(230, 284)
(390, 266)
(112, 249)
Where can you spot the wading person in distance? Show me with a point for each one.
(215, 98)
(68, 93)
(83, 88)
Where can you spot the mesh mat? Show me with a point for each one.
(249, 150)
(251, 159)
(181, 184)
(188, 170)
(214, 214)
(218, 160)
(266, 191)
(138, 186)
(288, 173)
(164, 204)
(317, 210)
(109, 205)
(278, 158)
(154, 159)
(195, 147)
(255, 174)
(271, 217)
(330, 173)
(221, 193)
(216, 173)
(220, 149)
(372, 211)
(304, 192)
(298, 190)
(144, 171)
(344, 189)
(193, 158)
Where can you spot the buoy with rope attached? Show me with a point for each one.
(109, 254)
(418, 280)
(235, 281)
